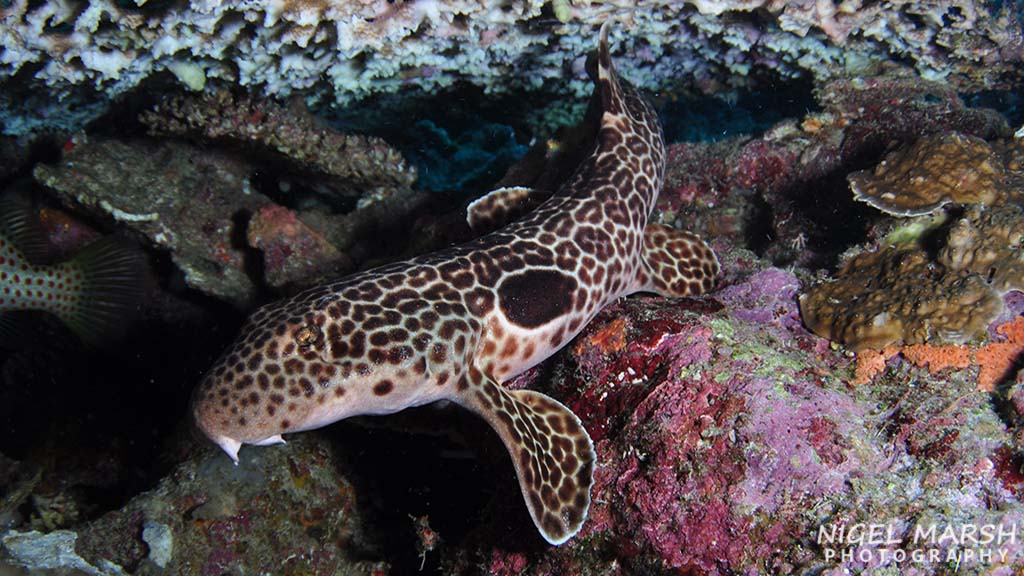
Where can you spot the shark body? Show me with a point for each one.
(453, 325)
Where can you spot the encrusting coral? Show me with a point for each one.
(995, 360)
(934, 171)
(898, 296)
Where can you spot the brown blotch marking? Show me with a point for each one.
(379, 338)
(307, 387)
(536, 297)
(421, 341)
(528, 350)
(339, 391)
(243, 382)
(443, 377)
(263, 380)
(399, 354)
(535, 500)
(383, 388)
(420, 367)
(285, 424)
(271, 409)
(254, 398)
(439, 353)
(510, 348)
(292, 366)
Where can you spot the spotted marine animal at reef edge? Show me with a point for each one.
(94, 293)
(455, 324)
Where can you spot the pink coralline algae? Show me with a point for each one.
(710, 432)
(292, 251)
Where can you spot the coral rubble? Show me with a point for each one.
(286, 512)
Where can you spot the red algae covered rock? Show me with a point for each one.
(292, 251)
(713, 423)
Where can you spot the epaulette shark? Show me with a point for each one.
(454, 324)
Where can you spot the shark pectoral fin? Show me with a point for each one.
(676, 263)
(501, 206)
(552, 453)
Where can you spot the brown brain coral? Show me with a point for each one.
(898, 296)
(934, 171)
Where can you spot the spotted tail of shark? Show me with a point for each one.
(455, 324)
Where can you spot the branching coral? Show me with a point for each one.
(363, 163)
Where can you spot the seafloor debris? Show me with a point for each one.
(283, 511)
(934, 171)
(360, 165)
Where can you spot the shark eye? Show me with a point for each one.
(307, 336)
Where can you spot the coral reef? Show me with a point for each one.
(200, 205)
(931, 173)
(58, 52)
(793, 168)
(989, 242)
(364, 166)
(730, 439)
(994, 360)
(902, 295)
(293, 253)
